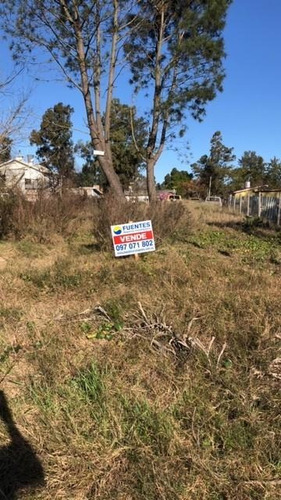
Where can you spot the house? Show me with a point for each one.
(27, 176)
(259, 201)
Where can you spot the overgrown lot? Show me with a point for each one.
(145, 379)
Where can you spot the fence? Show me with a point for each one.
(264, 204)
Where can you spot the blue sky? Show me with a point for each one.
(248, 112)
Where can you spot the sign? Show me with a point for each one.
(133, 238)
(98, 153)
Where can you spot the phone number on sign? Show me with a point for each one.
(134, 245)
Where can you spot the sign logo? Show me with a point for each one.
(117, 230)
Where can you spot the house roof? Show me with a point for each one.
(258, 189)
(22, 163)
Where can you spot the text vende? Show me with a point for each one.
(127, 238)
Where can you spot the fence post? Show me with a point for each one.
(240, 204)
(279, 208)
(259, 205)
(248, 205)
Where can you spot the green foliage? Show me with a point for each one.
(273, 173)
(250, 249)
(128, 135)
(252, 168)
(201, 44)
(180, 64)
(177, 180)
(213, 171)
(91, 172)
(91, 385)
(53, 140)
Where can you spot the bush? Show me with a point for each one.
(8, 202)
(40, 220)
(169, 220)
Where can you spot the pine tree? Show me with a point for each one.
(252, 167)
(213, 172)
(54, 141)
(128, 135)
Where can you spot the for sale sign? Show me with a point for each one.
(133, 238)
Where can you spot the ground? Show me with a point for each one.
(144, 379)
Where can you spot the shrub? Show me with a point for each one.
(168, 219)
(8, 203)
(40, 220)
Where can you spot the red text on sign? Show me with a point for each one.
(127, 238)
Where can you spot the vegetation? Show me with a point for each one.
(54, 142)
(252, 167)
(147, 379)
(214, 171)
(5, 148)
(174, 51)
(128, 136)
(178, 180)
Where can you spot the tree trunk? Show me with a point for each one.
(112, 177)
(95, 128)
(150, 180)
(104, 161)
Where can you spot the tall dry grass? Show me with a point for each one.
(150, 379)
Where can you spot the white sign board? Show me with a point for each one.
(133, 238)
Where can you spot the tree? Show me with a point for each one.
(5, 148)
(128, 134)
(91, 172)
(179, 64)
(53, 141)
(252, 167)
(177, 180)
(213, 172)
(273, 173)
(174, 50)
(83, 38)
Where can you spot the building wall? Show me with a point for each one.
(24, 176)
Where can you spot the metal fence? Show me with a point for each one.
(266, 205)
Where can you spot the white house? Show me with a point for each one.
(25, 175)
